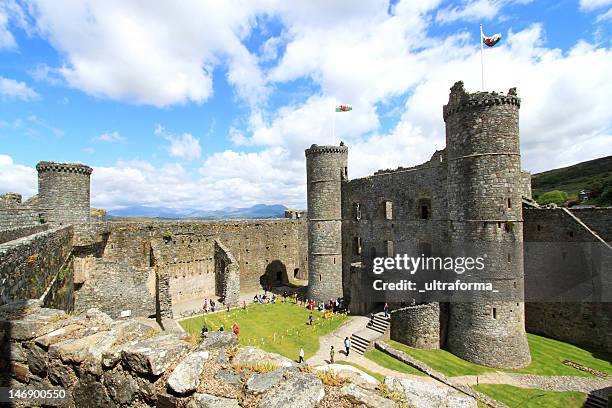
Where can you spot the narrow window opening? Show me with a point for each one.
(509, 203)
(495, 313)
(509, 257)
(334, 260)
(388, 210)
(571, 234)
(499, 225)
(357, 246)
(389, 245)
(539, 227)
(320, 277)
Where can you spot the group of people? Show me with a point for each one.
(335, 306)
(209, 305)
(235, 329)
(261, 299)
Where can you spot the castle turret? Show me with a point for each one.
(485, 217)
(63, 190)
(326, 169)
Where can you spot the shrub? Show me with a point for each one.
(554, 197)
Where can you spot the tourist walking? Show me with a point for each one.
(301, 360)
(347, 345)
(310, 318)
(386, 309)
(332, 352)
(206, 306)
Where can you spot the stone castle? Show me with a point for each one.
(473, 191)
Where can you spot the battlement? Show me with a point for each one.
(459, 100)
(327, 149)
(44, 166)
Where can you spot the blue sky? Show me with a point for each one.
(211, 104)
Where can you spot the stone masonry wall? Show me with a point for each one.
(28, 265)
(419, 326)
(562, 252)
(227, 275)
(15, 233)
(182, 254)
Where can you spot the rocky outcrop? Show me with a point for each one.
(100, 362)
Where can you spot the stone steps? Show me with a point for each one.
(359, 344)
(595, 401)
(363, 340)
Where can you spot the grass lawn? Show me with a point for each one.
(280, 328)
(547, 356)
(391, 363)
(529, 398)
(379, 377)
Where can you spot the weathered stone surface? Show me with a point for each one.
(60, 374)
(166, 400)
(211, 401)
(250, 356)
(154, 355)
(91, 395)
(25, 327)
(126, 332)
(67, 332)
(20, 372)
(186, 376)
(121, 387)
(222, 357)
(16, 352)
(228, 377)
(360, 396)
(216, 339)
(422, 394)
(354, 374)
(301, 390)
(90, 347)
(259, 383)
(37, 360)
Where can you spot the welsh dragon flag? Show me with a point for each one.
(490, 41)
(344, 108)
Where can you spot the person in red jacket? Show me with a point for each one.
(236, 329)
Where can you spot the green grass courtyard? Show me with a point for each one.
(547, 356)
(280, 328)
(529, 398)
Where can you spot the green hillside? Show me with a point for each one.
(593, 175)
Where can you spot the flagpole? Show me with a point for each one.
(334, 124)
(481, 60)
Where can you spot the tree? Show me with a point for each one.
(554, 197)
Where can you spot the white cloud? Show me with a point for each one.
(471, 10)
(150, 53)
(111, 137)
(185, 146)
(7, 41)
(604, 16)
(588, 5)
(12, 89)
(16, 178)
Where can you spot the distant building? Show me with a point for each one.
(584, 195)
(294, 214)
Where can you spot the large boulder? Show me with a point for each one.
(212, 401)
(153, 356)
(216, 339)
(259, 383)
(421, 394)
(186, 376)
(353, 374)
(302, 390)
(361, 396)
(250, 356)
(121, 387)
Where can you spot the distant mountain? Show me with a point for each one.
(594, 176)
(255, 211)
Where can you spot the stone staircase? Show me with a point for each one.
(595, 401)
(364, 339)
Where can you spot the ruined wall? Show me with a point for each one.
(182, 254)
(15, 233)
(382, 215)
(28, 265)
(597, 219)
(227, 275)
(419, 326)
(562, 253)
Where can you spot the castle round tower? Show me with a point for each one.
(326, 170)
(485, 218)
(63, 190)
